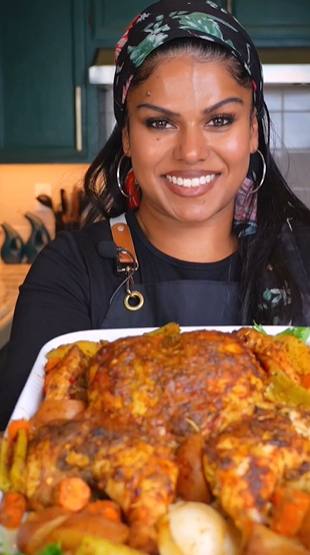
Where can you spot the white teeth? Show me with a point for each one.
(195, 182)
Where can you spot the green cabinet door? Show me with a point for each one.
(277, 23)
(110, 19)
(42, 81)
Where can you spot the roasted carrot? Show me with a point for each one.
(17, 425)
(105, 508)
(305, 381)
(51, 363)
(290, 508)
(74, 494)
(12, 509)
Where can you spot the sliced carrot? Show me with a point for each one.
(17, 425)
(305, 381)
(74, 494)
(12, 509)
(51, 364)
(290, 508)
(105, 508)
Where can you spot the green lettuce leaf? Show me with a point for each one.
(301, 333)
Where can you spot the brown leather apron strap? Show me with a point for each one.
(122, 238)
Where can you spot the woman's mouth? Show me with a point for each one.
(191, 183)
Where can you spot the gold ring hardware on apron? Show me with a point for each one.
(126, 263)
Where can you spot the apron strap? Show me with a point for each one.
(121, 234)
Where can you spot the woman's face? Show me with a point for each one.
(190, 134)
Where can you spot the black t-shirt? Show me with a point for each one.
(69, 286)
(155, 266)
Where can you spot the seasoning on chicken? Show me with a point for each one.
(138, 473)
(165, 382)
(245, 462)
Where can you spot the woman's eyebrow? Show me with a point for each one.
(170, 113)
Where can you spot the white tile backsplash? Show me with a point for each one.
(289, 107)
(276, 131)
(296, 130)
(297, 98)
(273, 98)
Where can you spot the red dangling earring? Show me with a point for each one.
(132, 190)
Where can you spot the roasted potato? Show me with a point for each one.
(265, 542)
(191, 484)
(196, 529)
(32, 533)
(99, 546)
(71, 532)
(166, 544)
(88, 348)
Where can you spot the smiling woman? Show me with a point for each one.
(190, 147)
(191, 219)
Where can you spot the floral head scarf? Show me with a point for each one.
(170, 19)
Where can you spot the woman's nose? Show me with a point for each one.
(191, 145)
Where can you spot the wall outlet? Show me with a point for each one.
(41, 189)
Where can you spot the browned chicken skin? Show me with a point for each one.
(206, 377)
(245, 462)
(139, 473)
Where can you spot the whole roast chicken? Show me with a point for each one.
(145, 396)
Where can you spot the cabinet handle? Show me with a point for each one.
(229, 6)
(78, 119)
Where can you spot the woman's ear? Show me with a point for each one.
(126, 141)
(254, 133)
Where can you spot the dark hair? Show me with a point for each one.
(275, 200)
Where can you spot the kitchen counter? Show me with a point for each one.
(11, 277)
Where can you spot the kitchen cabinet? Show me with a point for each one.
(276, 23)
(109, 20)
(43, 81)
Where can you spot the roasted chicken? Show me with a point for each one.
(146, 396)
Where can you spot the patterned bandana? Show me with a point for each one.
(170, 19)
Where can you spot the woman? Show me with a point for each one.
(212, 234)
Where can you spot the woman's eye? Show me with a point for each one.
(158, 124)
(221, 121)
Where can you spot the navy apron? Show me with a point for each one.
(200, 303)
(186, 302)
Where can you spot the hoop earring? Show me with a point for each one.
(118, 180)
(263, 175)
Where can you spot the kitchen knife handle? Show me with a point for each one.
(229, 6)
(78, 119)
